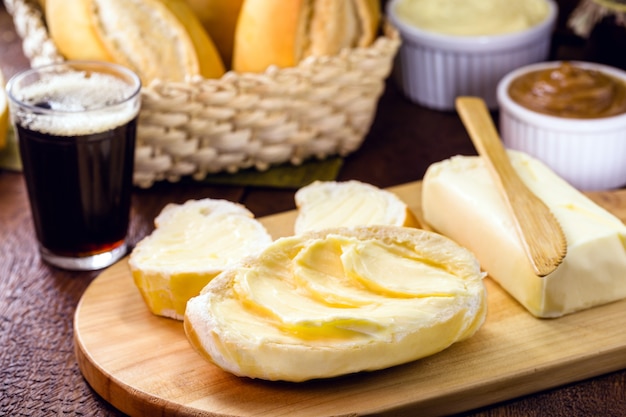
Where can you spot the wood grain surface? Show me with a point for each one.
(143, 365)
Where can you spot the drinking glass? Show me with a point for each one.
(75, 123)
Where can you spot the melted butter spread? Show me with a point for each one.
(341, 287)
(347, 204)
(570, 91)
(339, 301)
(472, 17)
(190, 240)
(350, 209)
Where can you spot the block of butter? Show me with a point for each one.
(460, 200)
(332, 302)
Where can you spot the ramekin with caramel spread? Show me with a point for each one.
(570, 115)
(570, 91)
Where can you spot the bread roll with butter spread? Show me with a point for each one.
(192, 243)
(282, 33)
(339, 301)
(158, 39)
(460, 200)
(324, 204)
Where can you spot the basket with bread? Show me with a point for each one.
(227, 84)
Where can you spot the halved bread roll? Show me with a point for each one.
(344, 300)
(282, 33)
(324, 204)
(192, 243)
(158, 39)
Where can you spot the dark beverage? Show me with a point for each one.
(79, 188)
(76, 133)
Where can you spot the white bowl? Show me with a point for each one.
(590, 154)
(433, 68)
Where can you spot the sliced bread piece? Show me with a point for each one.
(324, 204)
(192, 243)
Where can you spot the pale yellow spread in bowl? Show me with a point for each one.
(472, 17)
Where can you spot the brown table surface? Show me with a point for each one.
(38, 370)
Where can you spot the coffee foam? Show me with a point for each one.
(79, 104)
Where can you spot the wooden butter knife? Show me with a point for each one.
(540, 232)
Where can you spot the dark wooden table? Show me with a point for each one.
(38, 370)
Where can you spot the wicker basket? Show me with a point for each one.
(322, 107)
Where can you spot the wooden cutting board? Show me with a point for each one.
(143, 365)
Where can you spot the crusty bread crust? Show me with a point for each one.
(158, 39)
(75, 34)
(269, 32)
(282, 33)
(210, 61)
(370, 16)
(219, 18)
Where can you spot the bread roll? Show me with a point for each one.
(219, 18)
(324, 204)
(460, 200)
(282, 33)
(192, 243)
(344, 300)
(158, 39)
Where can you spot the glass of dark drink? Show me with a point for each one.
(75, 122)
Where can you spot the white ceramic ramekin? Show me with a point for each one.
(590, 154)
(433, 69)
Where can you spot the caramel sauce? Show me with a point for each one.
(570, 91)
